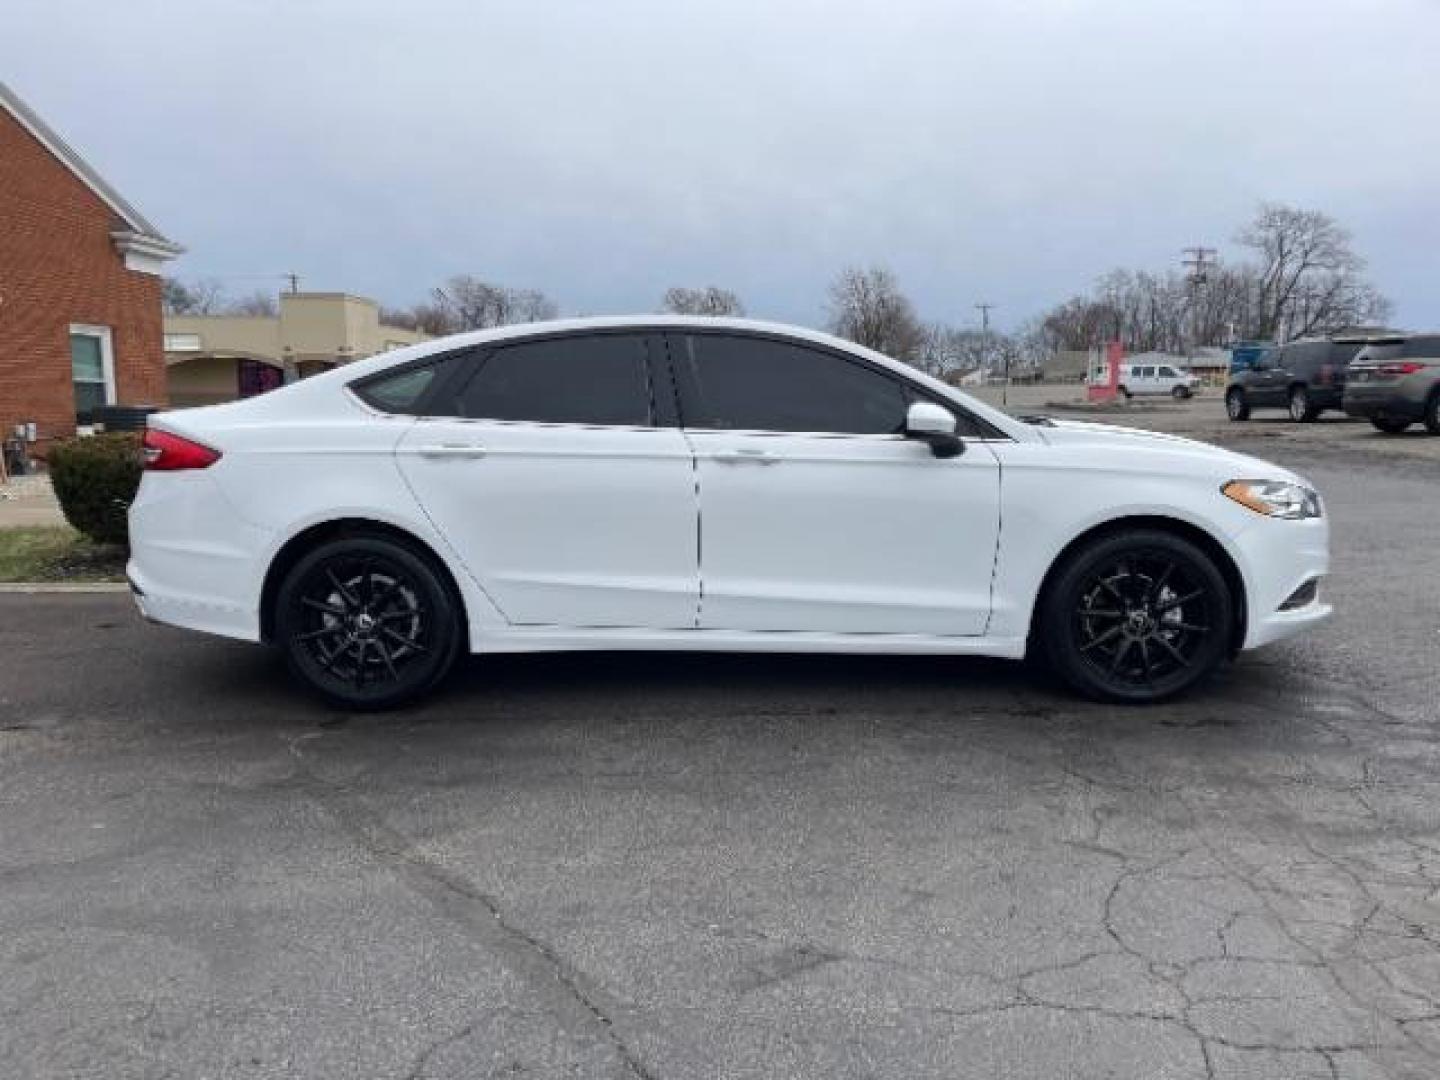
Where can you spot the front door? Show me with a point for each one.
(816, 513)
(554, 477)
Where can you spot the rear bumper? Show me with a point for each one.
(1370, 402)
(192, 557)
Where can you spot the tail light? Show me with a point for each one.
(1399, 367)
(167, 452)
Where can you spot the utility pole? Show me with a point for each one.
(984, 308)
(1198, 261)
(294, 281)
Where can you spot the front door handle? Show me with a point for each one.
(460, 450)
(745, 457)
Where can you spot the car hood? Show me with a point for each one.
(1175, 447)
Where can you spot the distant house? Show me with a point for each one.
(79, 286)
(214, 358)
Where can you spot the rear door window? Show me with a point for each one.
(593, 379)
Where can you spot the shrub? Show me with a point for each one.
(95, 480)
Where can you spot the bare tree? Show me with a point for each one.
(467, 303)
(203, 297)
(711, 301)
(258, 303)
(1310, 279)
(867, 306)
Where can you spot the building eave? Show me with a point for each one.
(159, 246)
(146, 253)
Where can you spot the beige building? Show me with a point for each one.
(215, 358)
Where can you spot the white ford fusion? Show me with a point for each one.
(672, 483)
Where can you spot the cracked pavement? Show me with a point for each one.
(703, 866)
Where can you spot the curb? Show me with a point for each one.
(29, 588)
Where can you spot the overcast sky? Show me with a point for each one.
(601, 150)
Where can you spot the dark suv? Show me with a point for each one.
(1305, 377)
(1395, 381)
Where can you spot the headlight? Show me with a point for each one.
(1275, 498)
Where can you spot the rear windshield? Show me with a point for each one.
(1424, 345)
(1377, 352)
(1344, 351)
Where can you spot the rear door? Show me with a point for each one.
(558, 475)
(816, 513)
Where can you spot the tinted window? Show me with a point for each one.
(1168, 372)
(596, 379)
(1426, 346)
(1343, 352)
(759, 384)
(399, 392)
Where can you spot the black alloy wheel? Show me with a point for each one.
(367, 622)
(1180, 393)
(1236, 407)
(1389, 425)
(1137, 617)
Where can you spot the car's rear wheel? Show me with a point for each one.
(1136, 617)
(1432, 413)
(1388, 425)
(1301, 411)
(1236, 405)
(367, 622)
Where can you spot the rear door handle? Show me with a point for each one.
(745, 457)
(458, 450)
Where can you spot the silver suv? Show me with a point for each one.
(1395, 381)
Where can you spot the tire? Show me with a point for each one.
(1180, 393)
(1236, 405)
(1301, 411)
(1432, 413)
(1389, 426)
(1136, 617)
(367, 622)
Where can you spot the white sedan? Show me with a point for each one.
(673, 483)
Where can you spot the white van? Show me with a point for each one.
(1148, 379)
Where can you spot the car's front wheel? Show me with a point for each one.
(1136, 617)
(1180, 393)
(1388, 425)
(367, 622)
(1432, 413)
(1236, 405)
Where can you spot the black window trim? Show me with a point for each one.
(912, 391)
(460, 365)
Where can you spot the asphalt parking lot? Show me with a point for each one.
(707, 866)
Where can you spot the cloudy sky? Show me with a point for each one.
(1000, 150)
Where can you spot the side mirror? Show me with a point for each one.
(930, 423)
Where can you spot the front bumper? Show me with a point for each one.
(1278, 559)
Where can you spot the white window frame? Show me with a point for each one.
(107, 355)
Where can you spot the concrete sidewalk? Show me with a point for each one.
(29, 500)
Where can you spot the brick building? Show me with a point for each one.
(80, 322)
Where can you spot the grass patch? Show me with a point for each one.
(57, 553)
